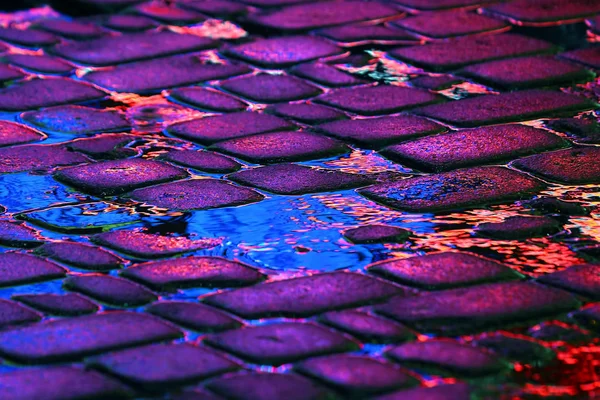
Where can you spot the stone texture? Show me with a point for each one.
(61, 383)
(9, 74)
(588, 56)
(219, 8)
(40, 63)
(367, 327)
(443, 270)
(326, 75)
(208, 99)
(435, 82)
(377, 100)
(13, 234)
(230, 126)
(583, 279)
(321, 14)
(167, 13)
(517, 349)
(550, 205)
(197, 194)
(76, 120)
(304, 296)
(109, 178)
(358, 34)
(12, 313)
(129, 23)
(356, 375)
(268, 386)
(520, 227)
(36, 157)
(156, 75)
(445, 24)
(11, 134)
(283, 51)
(70, 304)
(448, 355)
(457, 391)
(80, 255)
(474, 308)
(377, 234)
(27, 37)
(378, 132)
(196, 316)
(112, 50)
(458, 189)
(158, 366)
(269, 88)
(305, 113)
(145, 245)
(470, 50)
(281, 343)
(582, 130)
(506, 107)
(283, 146)
(542, 11)
(440, 4)
(106, 146)
(572, 166)
(193, 272)
(110, 289)
(588, 316)
(206, 161)
(19, 269)
(527, 72)
(468, 147)
(293, 179)
(73, 338)
(71, 29)
(36, 93)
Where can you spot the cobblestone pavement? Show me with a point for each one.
(286, 199)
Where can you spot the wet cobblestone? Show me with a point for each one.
(295, 199)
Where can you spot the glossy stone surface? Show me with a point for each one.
(576, 165)
(207, 161)
(377, 132)
(115, 177)
(207, 193)
(70, 304)
(470, 50)
(283, 146)
(377, 100)
(282, 343)
(76, 120)
(293, 179)
(304, 296)
(80, 255)
(582, 279)
(196, 316)
(38, 93)
(506, 107)
(73, 338)
(208, 99)
(12, 313)
(458, 189)
(11, 134)
(132, 47)
(110, 289)
(267, 88)
(267, 386)
(283, 52)
(170, 364)
(31, 269)
(147, 245)
(367, 327)
(443, 270)
(520, 228)
(230, 126)
(468, 147)
(474, 308)
(194, 271)
(377, 234)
